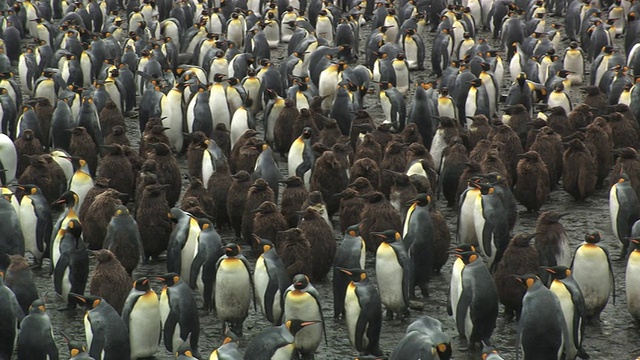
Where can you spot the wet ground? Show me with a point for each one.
(616, 336)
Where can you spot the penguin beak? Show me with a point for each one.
(346, 271)
(378, 235)
(80, 298)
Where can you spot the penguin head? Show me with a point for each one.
(307, 132)
(529, 156)
(528, 279)
(355, 274)
(477, 82)
(263, 244)
(27, 189)
(37, 307)
(69, 198)
(635, 243)
(142, 284)
(241, 176)
(422, 199)
(551, 217)
(185, 348)
(232, 249)
(593, 237)
(121, 210)
(169, 279)
(266, 207)
(523, 240)
(300, 281)
(372, 197)
(104, 256)
(389, 236)
(295, 325)
(467, 257)
(89, 302)
(558, 272)
(75, 348)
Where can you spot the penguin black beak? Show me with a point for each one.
(346, 271)
(378, 235)
(78, 297)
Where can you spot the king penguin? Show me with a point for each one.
(572, 304)
(632, 277)
(275, 343)
(11, 315)
(178, 313)
(591, 268)
(141, 315)
(393, 273)
(301, 156)
(477, 305)
(350, 254)
(541, 332)
(106, 333)
(35, 221)
(204, 263)
(71, 270)
(233, 288)
(35, 340)
(418, 237)
(363, 313)
(271, 281)
(302, 301)
(624, 209)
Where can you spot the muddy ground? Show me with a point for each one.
(615, 336)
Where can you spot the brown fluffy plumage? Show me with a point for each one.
(195, 152)
(237, 147)
(284, 132)
(82, 145)
(629, 162)
(600, 146)
(98, 216)
(441, 240)
(110, 280)
(118, 135)
(624, 134)
(394, 160)
(519, 258)
(26, 145)
(117, 168)
(323, 246)
(552, 242)
(350, 208)
(100, 185)
(153, 223)
(329, 177)
(123, 239)
(110, 117)
(367, 169)
(153, 134)
(329, 133)
(168, 171)
(236, 198)
(293, 195)
(511, 150)
(549, 146)
(196, 189)
(533, 188)
(579, 173)
(478, 130)
(401, 192)
(380, 216)
(41, 174)
(219, 184)
(258, 193)
(580, 117)
(369, 148)
(493, 163)
(295, 251)
(268, 221)
(559, 121)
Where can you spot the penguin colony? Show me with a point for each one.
(96, 217)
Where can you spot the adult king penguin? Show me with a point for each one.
(541, 331)
(624, 208)
(592, 271)
(572, 304)
(393, 272)
(363, 313)
(477, 306)
(350, 254)
(302, 301)
(141, 315)
(270, 280)
(233, 288)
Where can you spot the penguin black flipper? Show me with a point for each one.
(97, 342)
(316, 296)
(613, 278)
(463, 304)
(307, 164)
(253, 288)
(169, 327)
(487, 236)
(197, 263)
(405, 263)
(579, 320)
(365, 321)
(58, 273)
(270, 293)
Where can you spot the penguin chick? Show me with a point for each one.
(323, 245)
(82, 145)
(579, 170)
(519, 258)
(329, 177)
(368, 169)
(532, 189)
(118, 169)
(118, 135)
(295, 251)
(236, 198)
(381, 215)
(123, 239)
(27, 144)
(293, 195)
(110, 280)
(153, 224)
(98, 216)
(258, 193)
(19, 279)
(268, 221)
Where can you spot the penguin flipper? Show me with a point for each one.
(405, 263)
(269, 295)
(253, 288)
(97, 342)
(487, 237)
(197, 263)
(463, 305)
(58, 273)
(169, 328)
(613, 279)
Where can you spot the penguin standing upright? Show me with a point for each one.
(203, 265)
(632, 276)
(183, 243)
(491, 223)
(123, 239)
(418, 233)
(233, 288)
(541, 331)
(572, 303)
(393, 273)
(350, 254)
(19, 279)
(302, 302)
(35, 221)
(106, 333)
(35, 340)
(141, 316)
(591, 268)
(178, 313)
(301, 157)
(477, 305)
(624, 208)
(363, 313)
(71, 270)
(271, 281)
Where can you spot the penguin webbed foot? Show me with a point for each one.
(582, 354)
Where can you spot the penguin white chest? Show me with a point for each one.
(261, 283)
(466, 224)
(189, 250)
(302, 305)
(456, 286)
(352, 312)
(284, 353)
(28, 224)
(632, 280)
(239, 124)
(614, 209)
(411, 52)
(145, 326)
(591, 272)
(390, 275)
(232, 290)
(566, 304)
(470, 105)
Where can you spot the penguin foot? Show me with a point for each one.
(582, 354)
(388, 315)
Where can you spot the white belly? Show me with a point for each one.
(614, 208)
(189, 251)
(591, 272)
(284, 353)
(352, 313)
(466, 225)
(28, 223)
(390, 275)
(144, 328)
(301, 305)
(632, 280)
(456, 285)
(232, 292)
(411, 52)
(260, 283)
(567, 306)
